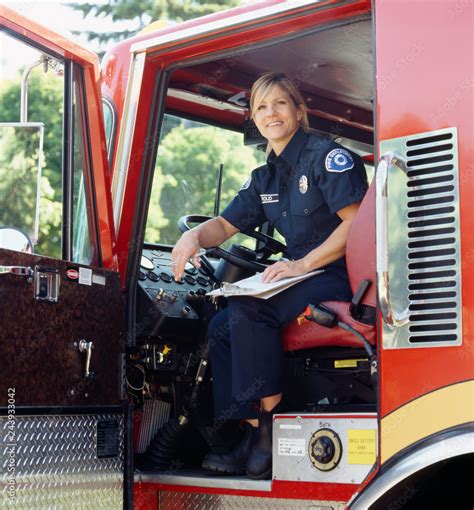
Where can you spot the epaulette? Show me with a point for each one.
(319, 143)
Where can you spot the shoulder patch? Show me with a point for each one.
(246, 184)
(339, 160)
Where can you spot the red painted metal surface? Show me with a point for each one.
(146, 494)
(424, 83)
(29, 30)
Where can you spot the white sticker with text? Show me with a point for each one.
(85, 276)
(98, 279)
(291, 447)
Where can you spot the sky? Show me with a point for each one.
(57, 16)
(62, 18)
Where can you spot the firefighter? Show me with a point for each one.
(309, 190)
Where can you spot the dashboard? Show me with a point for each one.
(165, 306)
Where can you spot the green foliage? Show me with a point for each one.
(45, 104)
(144, 11)
(19, 157)
(186, 176)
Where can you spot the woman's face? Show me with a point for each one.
(277, 117)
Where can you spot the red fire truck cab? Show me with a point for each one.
(106, 393)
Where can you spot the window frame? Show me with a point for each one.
(74, 77)
(109, 105)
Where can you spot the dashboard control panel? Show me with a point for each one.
(163, 303)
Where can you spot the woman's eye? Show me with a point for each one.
(261, 107)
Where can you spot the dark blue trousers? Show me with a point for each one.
(245, 344)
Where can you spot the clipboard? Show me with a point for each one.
(253, 286)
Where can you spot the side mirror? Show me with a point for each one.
(16, 240)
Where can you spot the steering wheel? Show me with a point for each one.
(271, 246)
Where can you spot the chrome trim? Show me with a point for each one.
(17, 270)
(169, 499)
(199, 478)
(392, 318)
(85, 346)
(418, 241)
(238, 19)
(55, 462)
(43, 60)
(411, 463)
(126, 135)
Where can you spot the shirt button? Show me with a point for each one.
(306, 211)
(283, 213)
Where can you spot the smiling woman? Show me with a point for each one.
(312, 200)
(279, 110)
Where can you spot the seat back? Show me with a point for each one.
(360, 259)
(360, 248)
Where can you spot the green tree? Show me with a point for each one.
(186, 175)
(145, 11)
(19, 156)
(45, 104)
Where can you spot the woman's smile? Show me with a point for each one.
(277, 118)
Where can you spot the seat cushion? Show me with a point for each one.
(305, 334)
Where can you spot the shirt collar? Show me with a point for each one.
(292, 150)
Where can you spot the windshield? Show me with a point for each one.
(185, 180)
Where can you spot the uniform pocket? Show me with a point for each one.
(272, 211)
(306, 203)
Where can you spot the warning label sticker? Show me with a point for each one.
(346, 363)
(361, 446)
(85, 276)
(291, 447)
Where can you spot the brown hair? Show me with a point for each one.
(266, 82)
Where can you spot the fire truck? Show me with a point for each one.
(105, 384)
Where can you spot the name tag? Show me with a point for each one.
(269, 198)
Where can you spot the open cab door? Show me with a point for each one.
(61, 336)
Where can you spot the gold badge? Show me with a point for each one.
(303, 184)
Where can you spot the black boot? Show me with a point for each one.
(234, 462)
(259, 464)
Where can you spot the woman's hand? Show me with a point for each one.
(186, 248)
(212, 232)
(284, 269)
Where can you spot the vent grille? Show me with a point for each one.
(433, 238)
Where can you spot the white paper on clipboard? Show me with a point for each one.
(253, 286)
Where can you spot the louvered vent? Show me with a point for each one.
(433, 238)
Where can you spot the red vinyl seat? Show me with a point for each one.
(360, 259)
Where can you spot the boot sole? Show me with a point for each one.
(267, 475)
(223, 469)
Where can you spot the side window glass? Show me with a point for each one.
(185, 180)
(31, 144)
(33, 116)
(110, 124)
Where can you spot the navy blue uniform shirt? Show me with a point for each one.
(300, 191)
